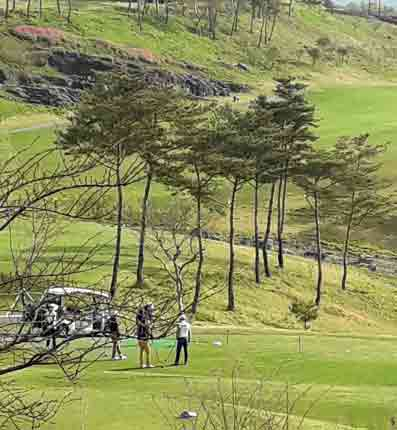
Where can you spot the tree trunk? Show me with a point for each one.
(157, 8)
(179, 288)
(28, 4)
(253, 15)
(235, 18)
(231, 301)
(59, 8)
(69, 17)
(167, 11)
(270, 36)
(142, 236)
(256, 230)
(290, 7)
(261, 31)
(14, 6)
(268, 231)
(212, 17)
(7, 11)
(214, 24)
(280, 253)
(116, 259)
(282, 204)
(318, 242)
(346, 244)
(139, 11)
(197, 291)
(40, 8)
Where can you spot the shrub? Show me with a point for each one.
(47, 34)
(323, 42)
(305, 312)
(39, 58)
(12, 52)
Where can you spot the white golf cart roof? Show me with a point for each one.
(71, 291)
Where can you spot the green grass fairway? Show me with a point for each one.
(350, 111)
(351, 381)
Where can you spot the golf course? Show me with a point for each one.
(260, 358)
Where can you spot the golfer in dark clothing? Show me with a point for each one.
(115, 336)
(183, 338)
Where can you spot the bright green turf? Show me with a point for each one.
(351, 381)
(350, 111)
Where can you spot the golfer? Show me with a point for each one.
(183, 338)
(114, 330)
(143, 324)
(50, 325)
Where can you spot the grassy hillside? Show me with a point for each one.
(370, 43)
(357, 97)
(368, 307)
(351, 99)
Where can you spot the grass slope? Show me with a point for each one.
(370, 43)
(368, 307)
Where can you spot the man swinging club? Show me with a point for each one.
(183, 338)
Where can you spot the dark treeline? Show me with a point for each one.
(128, 128)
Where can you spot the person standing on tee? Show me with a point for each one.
(115, 337)
(144, 334)
(183, 338)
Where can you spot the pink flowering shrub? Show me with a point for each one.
(51, 35)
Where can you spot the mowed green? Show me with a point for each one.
(337, 380)
(351, 111)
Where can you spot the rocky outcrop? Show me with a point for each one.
(75, 63)
(78, 72)
(54, 91)
(46, 95)
(383, 264)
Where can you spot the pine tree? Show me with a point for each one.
(123, 126)
(237, 166)
(363, 196)
(316, 176)
(294, 116)
(266, 147)
(197, 160)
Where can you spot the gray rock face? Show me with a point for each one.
(75, 63)
(79, 73)
(46, 95)
(54, 91)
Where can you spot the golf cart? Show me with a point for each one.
(79, 311)
(69, 311)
